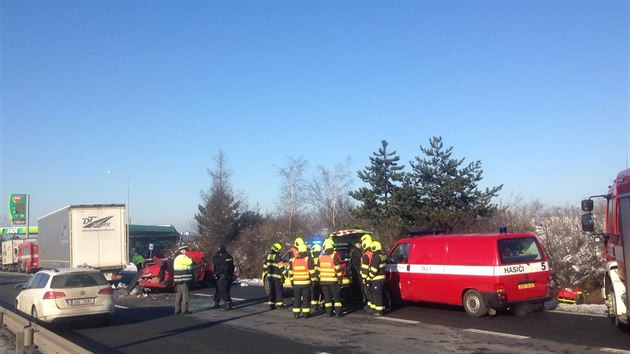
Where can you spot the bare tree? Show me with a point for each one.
(292, 193)
(328, 194)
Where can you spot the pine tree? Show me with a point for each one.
(380, 199)
(444, 193)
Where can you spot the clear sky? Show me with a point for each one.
(537, 91)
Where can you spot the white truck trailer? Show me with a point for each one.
(85, 235)
(10, 250)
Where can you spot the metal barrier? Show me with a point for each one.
(28, 334)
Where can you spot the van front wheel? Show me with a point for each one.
(474, 305)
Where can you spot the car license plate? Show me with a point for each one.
(79, 302)
(526, 286)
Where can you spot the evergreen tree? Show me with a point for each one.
(444, 193)
(380, 199)
(218, 217)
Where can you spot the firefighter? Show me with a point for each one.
(294, 250)
(182, 276)
(329, 278)
(223, 272)
(274, 276)
(376, 277)
(301, 272)
(366, 259)
(316, 290)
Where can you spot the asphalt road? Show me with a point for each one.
(146, 325)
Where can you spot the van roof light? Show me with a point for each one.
(503, 230)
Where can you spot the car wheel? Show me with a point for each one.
(474, 305)
(34, 315)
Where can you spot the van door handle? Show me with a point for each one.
(408, 267)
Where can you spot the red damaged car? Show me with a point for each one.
(157, 273)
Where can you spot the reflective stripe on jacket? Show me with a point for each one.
(366, 260)
(377, 267)
(329, 269)
(301, 271)
(182, 269)
(271, 265)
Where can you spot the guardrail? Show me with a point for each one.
(28, 334)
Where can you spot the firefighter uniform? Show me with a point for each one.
(329, 277)
(366, 259)
(274, 276)
(316, 290)
(301, 272)
(376, 277)
(182, 276)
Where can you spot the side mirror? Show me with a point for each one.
(587, 223)
(587, 205)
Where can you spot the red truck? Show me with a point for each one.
(616, 238)
(28, 257)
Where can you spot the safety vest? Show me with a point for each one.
(366, 260)
(328, 269)
(301, 275)
(182, 270)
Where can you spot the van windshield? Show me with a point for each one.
(519, 250)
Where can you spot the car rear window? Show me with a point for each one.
(519, 250)
(78, 280)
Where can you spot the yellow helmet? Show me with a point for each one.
(298, 241)
(328, 244)
(316, 248)
(365, 244)
(276, 246)
(376, 246)
(302, 248)
(365, 237)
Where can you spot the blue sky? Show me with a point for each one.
(537, 91)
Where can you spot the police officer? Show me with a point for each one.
(329, 277)
(182, 276)
(376, 277)
(224, 272)
(273, 276)
(301, 272)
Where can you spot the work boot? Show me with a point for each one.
(296, 315)
(215, 306)
(272, 307)
(227, 306)
(338, 314)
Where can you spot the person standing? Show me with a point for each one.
(301, 272)
(274, 276)
(223, 263)
(182, 276)
(366, 259)
(329, 277)
(376, 278)
(316, 290)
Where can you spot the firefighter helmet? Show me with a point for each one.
(301, 248)
(365, 237)
(328, 244)
(316, 248)
(376, 246)
(298, 241)
(276, 246)
(365, 244)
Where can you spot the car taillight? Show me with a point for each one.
(499, 288)
(106, 291)
(54, 295)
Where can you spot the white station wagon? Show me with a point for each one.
(68, 293)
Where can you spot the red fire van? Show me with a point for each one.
(482, 272)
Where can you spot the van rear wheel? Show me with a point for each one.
(473, 304)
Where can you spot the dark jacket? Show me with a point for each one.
(223, 263)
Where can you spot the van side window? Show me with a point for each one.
(400, 254)
(519, 250)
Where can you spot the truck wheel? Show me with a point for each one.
(473, 304)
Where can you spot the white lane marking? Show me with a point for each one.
(499, 334)
(399, 320)
(122, 307)
(613, 350)
(212, 295)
